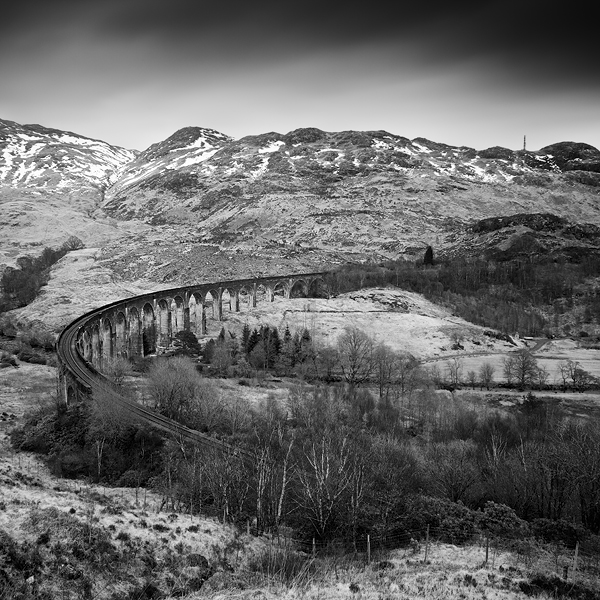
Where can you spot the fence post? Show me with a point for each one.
(426, 545)
(575, 557)
(368, 549)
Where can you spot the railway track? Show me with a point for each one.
(94, 382)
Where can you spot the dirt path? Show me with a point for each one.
(539, 344)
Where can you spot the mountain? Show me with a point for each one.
(202, 204)
(36, 156)
(52, 183)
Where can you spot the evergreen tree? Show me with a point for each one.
(245, 337)
(252, 341)
(428, 258)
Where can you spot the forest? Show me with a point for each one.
(376, 449)
(530, 296)
(19, 286)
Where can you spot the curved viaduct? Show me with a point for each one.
(146, 324)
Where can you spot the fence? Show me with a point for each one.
(437, 544)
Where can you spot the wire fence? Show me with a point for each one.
(471, 550)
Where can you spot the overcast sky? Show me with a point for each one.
(132, 72)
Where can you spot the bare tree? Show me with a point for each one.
(356, 355)
(107, 419)
(579, 378)
(325, 477)
(408, 374)
(454, 469)
(472, 378)
(454, 369)
(486, 375)
(521, 367)
(385, 363)
(116, 369)
(180, 393)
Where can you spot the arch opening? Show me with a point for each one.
(163, 324)
(210, 304)
(279, 290)
(261, 293)
(195, 313)
(318, 288)
(227, 301)
(96, 342)
(299, 289)
(148, 330)
(121, 335)
(178, 315)
(108, 349)
(135, 336)
(245, 298)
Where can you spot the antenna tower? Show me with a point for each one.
(524, 143)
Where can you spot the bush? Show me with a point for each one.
(449, 521)
(501, 520)
(559, 531)
(27, 354)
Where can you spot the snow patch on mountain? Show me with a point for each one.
(39, 157)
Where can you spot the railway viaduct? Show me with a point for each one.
(145, 325)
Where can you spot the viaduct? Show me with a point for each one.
(145, 325)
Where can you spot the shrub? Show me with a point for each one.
(501, 520)
(26, 354)
(559, 531)
(449, 521)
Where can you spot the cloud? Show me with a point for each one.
(245, 67)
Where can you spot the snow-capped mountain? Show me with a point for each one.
(322, 196)
(32, 156)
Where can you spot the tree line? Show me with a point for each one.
(378, 452)
(20, 285)
(525, 295)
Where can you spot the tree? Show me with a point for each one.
(521, 367)
(486, 375)
(325, 477)
(408, 374)
(187, 342)
(116, 369)
(246, 338)
(180, 393)
(572, 371)
(453, 468)
(356, 355)
(73, 243)
(472, 378)
(428, 258)
(221, 358)
(172, 385)
(385, 364)
(454, 368)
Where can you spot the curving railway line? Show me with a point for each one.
(89, 380)
(94, 381)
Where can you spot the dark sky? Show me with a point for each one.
(132, 72)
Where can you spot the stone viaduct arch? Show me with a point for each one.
(146, 324)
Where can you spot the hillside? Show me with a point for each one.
(51, 185)
(203, 205)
